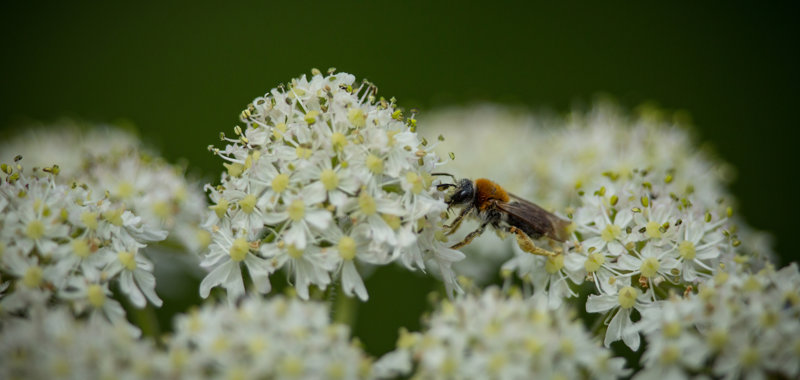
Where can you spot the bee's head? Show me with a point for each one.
(463, 192)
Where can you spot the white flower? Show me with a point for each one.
(738, 324)
(621, 305)
(113, 162)
(54, 344)
(495, 336)
(136, 275)
(323, 154)
(94, 244)
(276, 338)
(226, 254)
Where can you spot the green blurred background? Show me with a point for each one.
(182, 72)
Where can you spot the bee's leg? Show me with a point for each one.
(526, 243)
(472, 235)
(457, 222)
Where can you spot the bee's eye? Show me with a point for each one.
(461, 196)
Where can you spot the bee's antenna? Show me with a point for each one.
(446, 174)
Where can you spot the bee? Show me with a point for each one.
(496, 207)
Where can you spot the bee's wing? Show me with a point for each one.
(535, 218)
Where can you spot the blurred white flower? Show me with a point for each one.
(276, 338)
(52, 344)
(114, 165)
(738, 324)
(496, 336)
(59, 244)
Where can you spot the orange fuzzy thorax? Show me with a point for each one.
(486, 191)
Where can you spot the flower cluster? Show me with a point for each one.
(114, 165)
(649, 211)
(58, 242)
(492, 336)
(259, 339)
(739, 324)
(68, 144)
(636, 240)
(279, 338)
(323, 178)
(550, 159)
(53, 344)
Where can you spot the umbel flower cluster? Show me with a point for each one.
(259, 339)
(60, 243)
(114, 165)
(496, 336)
(649, 213)
(323, 179)
(739, 324)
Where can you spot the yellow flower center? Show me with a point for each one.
(594, 262)
(554, 264)
(114, 216)
(89, 219)
(627, 297)
(717, 339)
(292, 367)
(653, 229)
(35, 229)
(750, 357)
(650, 267)
(671, 329)
(357, 117)
(329, 179)
(611, 232)
(670, 354)
(302, 152)
(375, 164)
(294, 252)
(125, 189)
(81, 248)
(220, 208)
(248, 203)
(687, 250)
(297, 210)
(33, 277)
(234, 169)
(280, 183)
(533, 345)
(203, 238)
(96, 295)
(239, 249)
(128, 259)
(415, 181)
(311, 116)
(367, 204)
(161, 209)
(347, 248)
(338, 140)
(279, 130)
(393, 221)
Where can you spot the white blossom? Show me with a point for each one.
(61, 246)
(496, 336)
(319, 159)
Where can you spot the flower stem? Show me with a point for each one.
(145, 318)
(344, 308)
